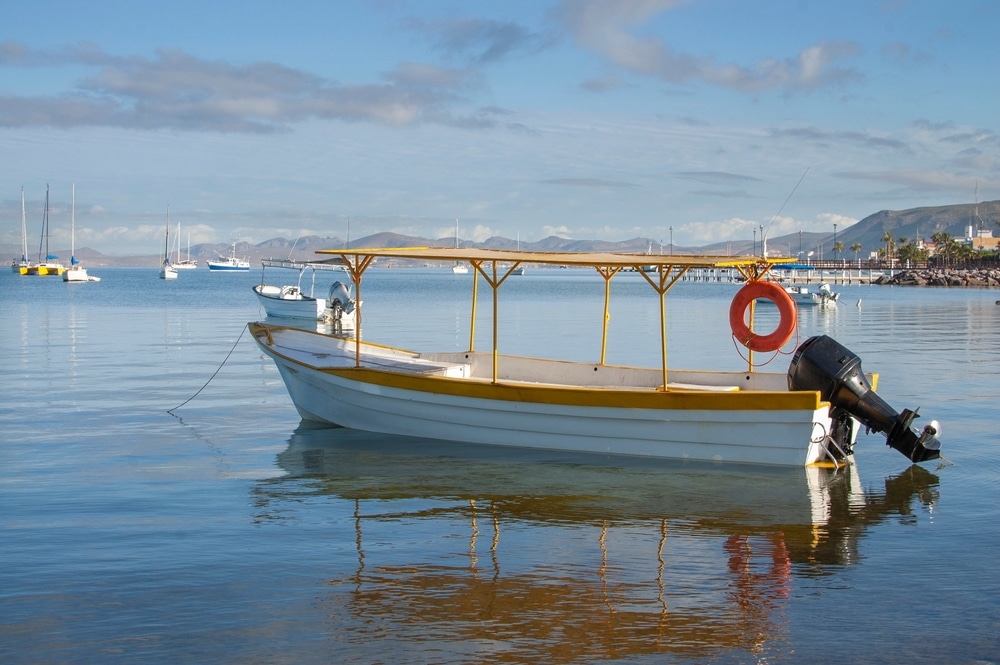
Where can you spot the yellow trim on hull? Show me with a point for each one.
(639, 398)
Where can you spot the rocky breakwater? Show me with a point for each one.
(943, 277)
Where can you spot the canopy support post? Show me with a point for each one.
(607, 273)
(357, 268)
(663, 284)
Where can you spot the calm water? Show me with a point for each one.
(229, 533)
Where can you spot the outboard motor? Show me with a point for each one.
(339, 303)
(823, 364)
(340, 296)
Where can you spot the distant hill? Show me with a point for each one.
(910, 224)
(916, 222)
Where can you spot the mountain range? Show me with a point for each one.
(956, 220)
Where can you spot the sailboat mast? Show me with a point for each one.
(24, 232)
(45, 226)
(72, 227)
(166, 240)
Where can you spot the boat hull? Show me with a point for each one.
(445, 400)
(49, 269)
(76, 275)
(229, 267)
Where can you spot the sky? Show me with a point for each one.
(684, 121)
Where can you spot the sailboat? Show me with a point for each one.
(167, 270)
(49, 266)
(75, 272)
(519, 270)
(459, 268)
(24, 266)
(184, 264)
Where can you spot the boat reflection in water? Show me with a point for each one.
(466, 552)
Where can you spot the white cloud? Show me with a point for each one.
(558, 231)
(613, 30)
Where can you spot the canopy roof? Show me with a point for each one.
(594, 259)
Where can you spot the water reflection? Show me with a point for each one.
(535, 555)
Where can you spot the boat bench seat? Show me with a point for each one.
(419, 366)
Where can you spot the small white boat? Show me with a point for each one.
(808, 415)
(290, 301)
(23, 266)
(803, 297)
(459, 268)
(230, 263)
(188, 263)
(167, 270)
(75, 272)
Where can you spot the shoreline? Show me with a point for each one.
(978, 277)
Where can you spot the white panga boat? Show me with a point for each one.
(807, 415)
(822, 297)
(289, 301)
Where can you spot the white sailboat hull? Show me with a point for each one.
(443, 396)
(78, 274)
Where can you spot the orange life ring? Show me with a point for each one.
(786, 309)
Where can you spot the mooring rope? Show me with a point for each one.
(171, 411)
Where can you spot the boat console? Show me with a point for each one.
(821, 363)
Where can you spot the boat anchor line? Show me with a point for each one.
(171, 411)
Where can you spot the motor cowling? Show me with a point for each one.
(823, 364)
(340, 297)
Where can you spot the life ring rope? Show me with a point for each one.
(786, 310)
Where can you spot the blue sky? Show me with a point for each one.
(588, 119)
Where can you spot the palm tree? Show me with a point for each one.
(945, 246)
(856, 248)
(887, 238)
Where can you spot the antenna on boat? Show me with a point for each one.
(763, 233)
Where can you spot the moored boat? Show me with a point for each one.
(291, 301)
(49, 266)
(23, 266)
(167, 270)
(230, 263)
(822, 297)
(188, 263)
(76, 272)
(810, 414)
